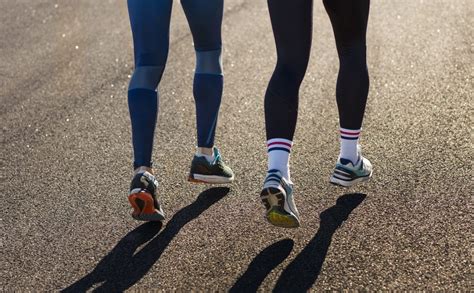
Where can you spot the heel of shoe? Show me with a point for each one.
(274, 202)
(143, 207)
(280, 218)
(272, 197)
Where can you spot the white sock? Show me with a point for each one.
(209, 158)
(279, 156)
(349, 143)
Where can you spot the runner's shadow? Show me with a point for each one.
(122, 267)
(262, 265)
(303, 271)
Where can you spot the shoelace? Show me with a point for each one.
(217, 157)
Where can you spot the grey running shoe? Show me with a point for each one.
(143, 199)
(347, 174)
(277, 196)
(216, 172)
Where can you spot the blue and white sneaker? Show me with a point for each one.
(277, 196)
(347, 173)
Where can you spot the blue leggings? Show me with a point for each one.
(150, 22)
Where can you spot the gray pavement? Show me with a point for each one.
(66, 157)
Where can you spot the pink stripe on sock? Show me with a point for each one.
(350, 133)
(280, 143)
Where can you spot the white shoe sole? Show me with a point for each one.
(344, 183)
(210, 179)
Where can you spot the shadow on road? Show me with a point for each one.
(121, 268)
(262, 265)
(304, 270)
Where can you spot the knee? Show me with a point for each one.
(286, 81)
(209, 62)
(353, 56)
(149, 67)
(352, 50)
(291, 74)
(146, 77)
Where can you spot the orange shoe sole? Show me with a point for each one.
(144, 208)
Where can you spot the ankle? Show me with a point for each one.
(285, 173)
(209, 158)
(205, 151)
(143, 169)
(279, 155)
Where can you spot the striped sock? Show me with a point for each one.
(279, 155)
(349, 143)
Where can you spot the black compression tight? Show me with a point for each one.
(292, 28)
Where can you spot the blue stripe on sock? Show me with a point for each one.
(273, 171)
(350, 138)
(278, 149)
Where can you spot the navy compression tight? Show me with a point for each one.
(150, 23)
(292, 28)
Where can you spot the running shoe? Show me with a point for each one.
(143, 199)
(215, 172)
(277, 196)
(347, 174)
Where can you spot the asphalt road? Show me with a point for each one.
(66, 157)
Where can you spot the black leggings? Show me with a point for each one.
(292, 28)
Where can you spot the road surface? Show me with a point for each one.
(66, 157)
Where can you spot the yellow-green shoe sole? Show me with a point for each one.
(276, 215)
(280, 218)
